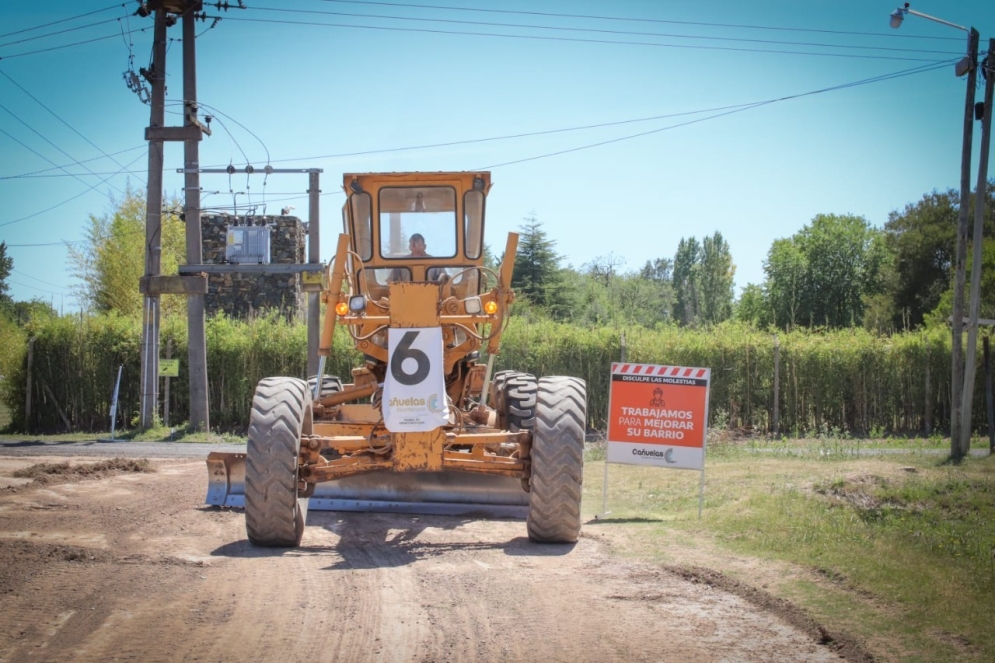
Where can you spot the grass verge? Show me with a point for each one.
(895, 549)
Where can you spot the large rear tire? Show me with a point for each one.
(515, 400)
(281, 413)
(557, 460)
(330, 384)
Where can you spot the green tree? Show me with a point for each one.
(923, 239)
(845, 255)
(36, 310)
(111, 259)
(687, 281)
(657, 270)
(656, 280)
(537, 274)
(822, 275)
(754, 306)
(716, 279)
(786, 269)
(6, 265)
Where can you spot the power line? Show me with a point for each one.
(530, 134)
(216, 111)
(75, 163)
(62, 243)
(11, 113)
(644, 20)
(56, 116)
(579, 40)
(56, 175)
(77, 43)
(62, 20)
(866, 81)
(34, 287)
(58, 32)
(603, 31)
(68, 200)
(719, 109)
(54, 285)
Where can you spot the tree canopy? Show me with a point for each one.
(922, 239)
(703, 281)
(6, 265)
(109, 263)
(820, 276)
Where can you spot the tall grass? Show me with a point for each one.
(75, 361)
(843, 382)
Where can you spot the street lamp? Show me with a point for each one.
(960, 391)
(967, 62)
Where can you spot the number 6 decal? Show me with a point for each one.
(404, 351)
(414, 391)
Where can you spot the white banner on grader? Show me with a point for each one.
(414, 392)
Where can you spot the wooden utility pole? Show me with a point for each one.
(956, 359)
(313, 256)
(197, 343)
(153, 224)
(977, 239)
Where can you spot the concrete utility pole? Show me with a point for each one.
(314, 257)
(153, 225)
(957, 361)
(979, 225)
(197, 339)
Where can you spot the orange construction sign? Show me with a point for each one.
(658, 415)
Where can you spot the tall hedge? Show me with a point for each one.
(849, 380)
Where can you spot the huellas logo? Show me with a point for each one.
(407, 402)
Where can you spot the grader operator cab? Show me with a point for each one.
(423, 426)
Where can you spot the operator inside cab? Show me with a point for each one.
(416, 247)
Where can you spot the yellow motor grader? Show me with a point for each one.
(423, 426)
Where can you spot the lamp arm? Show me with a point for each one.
(934, 19)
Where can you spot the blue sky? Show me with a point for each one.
(303, 87)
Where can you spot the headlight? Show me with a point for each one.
(472, 305)
(357, 303)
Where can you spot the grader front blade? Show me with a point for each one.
(429, 493)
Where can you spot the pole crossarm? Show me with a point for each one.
(231, 170)
(284, 268)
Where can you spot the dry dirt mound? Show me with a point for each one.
(47, 473)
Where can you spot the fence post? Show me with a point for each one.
(27, 395)
(929, 401)
(777, 385)
(988, 397)
(165, 389)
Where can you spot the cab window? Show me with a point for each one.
(417, 222)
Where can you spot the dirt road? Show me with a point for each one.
(135, 567)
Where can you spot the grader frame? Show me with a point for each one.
(413, 430)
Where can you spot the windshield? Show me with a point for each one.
(418, 222)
